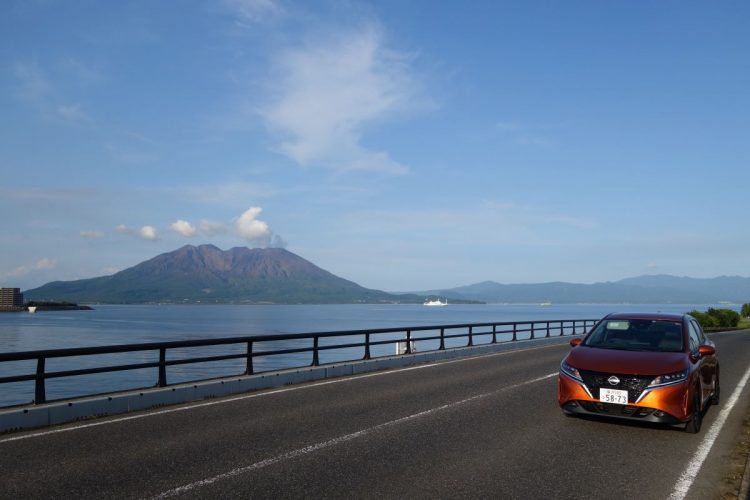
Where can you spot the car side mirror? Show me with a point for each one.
(706, 350)
(575, 342)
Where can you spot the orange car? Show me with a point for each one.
(649, 367)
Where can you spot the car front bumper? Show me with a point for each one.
(667, 405)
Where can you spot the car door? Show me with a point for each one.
(706, 364)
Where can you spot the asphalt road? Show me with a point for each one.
(482, 427)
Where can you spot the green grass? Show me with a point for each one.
(744, 323)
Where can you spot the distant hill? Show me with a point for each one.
(207, 274)
(654, 289)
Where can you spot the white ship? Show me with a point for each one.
(436, 302)
(32, 309)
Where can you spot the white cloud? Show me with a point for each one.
(123, 229)
(91, 234)
(329, 93)
(254, 10)
(72, 112)
(253, 230)
(233, 194)
(43, 264)
(149, 233)
(33, 83)
(35, 88)
(212, 228)
(183, 227)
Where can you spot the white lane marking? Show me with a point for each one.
(338, 440)
(190, 406)
(683, 484)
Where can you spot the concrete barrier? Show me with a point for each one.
(34, 416)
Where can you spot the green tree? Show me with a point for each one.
(745, 310)
(717, 318)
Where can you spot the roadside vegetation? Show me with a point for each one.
(723, 318)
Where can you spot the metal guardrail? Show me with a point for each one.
(517, 330)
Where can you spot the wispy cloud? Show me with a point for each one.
(331, 90)
(254, 11)
(529, 134)
(35, 87)
(40, 265)
(212, 228)
(72, 112)
(33, 84)
(232, 194)
(91, 234)
(133, 156)
(65, 195)
(148, 233)
(490, 222)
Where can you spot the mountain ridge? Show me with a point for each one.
(640, 289)
(208, 274)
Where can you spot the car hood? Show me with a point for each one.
(626, 362)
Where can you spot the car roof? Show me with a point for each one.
(648, 316)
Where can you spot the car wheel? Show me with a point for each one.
(716, 397)
(694, 424)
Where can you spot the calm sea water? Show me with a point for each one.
(125, 324)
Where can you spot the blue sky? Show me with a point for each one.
(404, 145)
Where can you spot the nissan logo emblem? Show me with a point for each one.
(613, 380)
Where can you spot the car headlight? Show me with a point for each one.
(570, 371)
(668, 379)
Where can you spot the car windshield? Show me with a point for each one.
(637, 335)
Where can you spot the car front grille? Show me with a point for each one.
(617, 410)
(635, 385)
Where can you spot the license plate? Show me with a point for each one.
(613, 396)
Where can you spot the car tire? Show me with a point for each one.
(716, 396)
(693, 425)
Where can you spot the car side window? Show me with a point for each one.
(695, 340)
(701, 335)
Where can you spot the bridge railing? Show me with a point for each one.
(358, 343)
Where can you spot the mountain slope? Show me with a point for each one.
(208, 274)
(641, 290)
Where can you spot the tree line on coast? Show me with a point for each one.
(722, 318)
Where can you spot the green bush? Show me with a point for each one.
(717, 318)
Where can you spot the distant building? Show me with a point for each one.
(11, 299)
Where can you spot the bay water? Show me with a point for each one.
(129, 324)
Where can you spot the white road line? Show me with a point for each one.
(190, 406)
(338, 440)
(683, 484)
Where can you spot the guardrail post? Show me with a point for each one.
(547, 329)
(562, 328)
(40, 396)
(515, 325)
(532, 330)
(442, 340)
(471, 337)
(367, 345)
(408, 342)
(315, 360)
(162, 367)
(249, 370)
(494, 334)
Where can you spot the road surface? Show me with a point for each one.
(480, 427)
